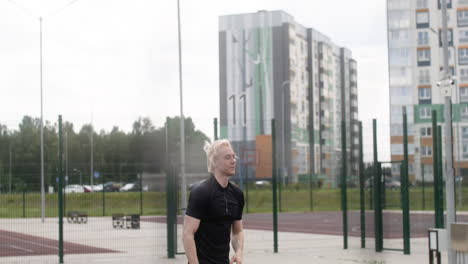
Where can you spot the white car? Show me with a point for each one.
(97, 188)
(127, 187)
(74, 189)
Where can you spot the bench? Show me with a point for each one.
(126, 221)
(77, 217)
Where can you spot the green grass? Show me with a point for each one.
(293, 199)
(12, 205)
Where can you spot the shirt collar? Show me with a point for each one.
(215, 182)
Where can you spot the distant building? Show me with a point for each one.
(415, 66)
(273, 67)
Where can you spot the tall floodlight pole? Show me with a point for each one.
(449, 180)
(183, 184)
(42, 127)
(40, 18)
(284, 153)
(91, 175)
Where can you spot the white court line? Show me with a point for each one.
(30, 242)
(20, 248)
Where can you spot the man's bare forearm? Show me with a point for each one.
(238, 242)
(190, 249)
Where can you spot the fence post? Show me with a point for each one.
(344, 198)
(60, 205)
(103, 197)
(311, 201)
(361, 189)
(216, 129)
(24, 203)
(141, 193)
(405, 191)
(423, 188)
(435, 159)
(246, 168)
(440, 187)
(274, 180)
(170, 188)
(377, 193)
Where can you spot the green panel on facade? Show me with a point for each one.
(457, 109)
(417, 113)
(300, 135)
(223, 132)
(316, 137)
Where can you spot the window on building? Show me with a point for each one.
(464, 112)
(396, 130)
(399, 35)
(423, 38)
(426, 151)
(449, 4)
(400, 56)
(449, 37)
(424, 57)
(424, 77)
(463, 35)
(463, 74)
(464, 94)
(465, 132)
(464, 91)
(427, 170)
(398, 4)
(451, 70)
(399, 18)
(426, 131)
(465, 150)
(420, 4)
(462, 18)
(463, 56)
(422, 19)
(425, 112)
(425, 93)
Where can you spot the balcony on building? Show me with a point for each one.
(462, 17)
(439, 4)
(464, 93)
(424, 56)
(422, 18)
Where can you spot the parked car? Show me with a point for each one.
(392, 184)
(112, 186)
(87, 188)
(74, 189)
(262, 183)
(97, 188)
(130, 187)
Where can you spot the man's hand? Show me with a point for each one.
(237, 258)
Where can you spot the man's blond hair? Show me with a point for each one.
(212, 149)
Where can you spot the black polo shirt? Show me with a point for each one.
(217, 208)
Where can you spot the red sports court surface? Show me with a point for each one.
(330, 223)
(18, 244)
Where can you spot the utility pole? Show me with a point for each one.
(92, 156)
(449, 180)
(183, 185)
(42, 127)
(9, 170)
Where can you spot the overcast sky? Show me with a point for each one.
(116, 60)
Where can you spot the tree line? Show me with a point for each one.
(117, 155)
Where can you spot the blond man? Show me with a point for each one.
(214, 211)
